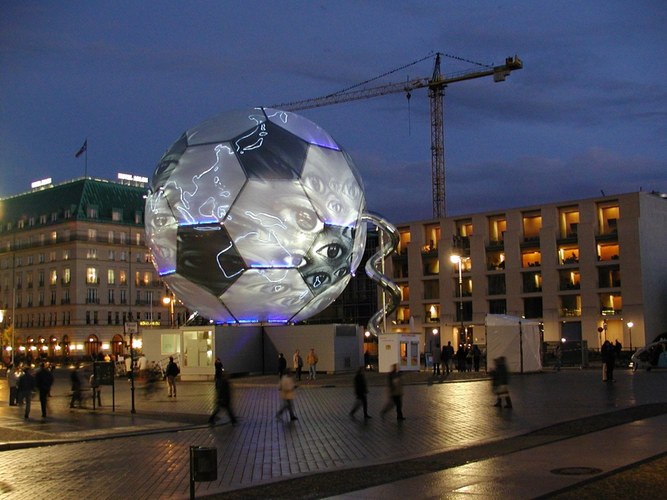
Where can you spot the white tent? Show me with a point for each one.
(515, 338)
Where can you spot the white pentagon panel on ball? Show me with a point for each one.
(198, 299)
(301, 127)
(282, 293)
(204, 183)
(161, 232)
(225, 126)
(273, 224)
(332, 187)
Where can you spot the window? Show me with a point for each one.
(53, 277)
(92, 234)
(609, 277)
(568, 254)
(123, 238)
(65, 254)
(497, 284)
(111, 277)
(532, 282)
(608, 251)
(92, 276)
(403, 315)
(112, 296)
(568, 222)
(432, 313)
(497, 306)
(431, 290)
(608, 215)
(112, 255)
(122, 277)
(91, 253)
(431, 237)
(532, 224)
(123, 298)
(67, 277)
(570, 305)
(91, 212)
(52, 256)
(54, 236)
(91, 296)
(569, 279)
(532, 307)
(40, 278)
(404, 239)
(531, 258)
(116, 214)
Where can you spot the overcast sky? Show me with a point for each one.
(588, 113)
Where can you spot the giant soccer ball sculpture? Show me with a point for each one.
(256, 217)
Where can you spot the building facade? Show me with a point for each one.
(74, 267)
(590, 270)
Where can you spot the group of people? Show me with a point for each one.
(466, 358)
(297, 364)
(23, 383)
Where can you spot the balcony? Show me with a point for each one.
(569, 313)
(610, 311)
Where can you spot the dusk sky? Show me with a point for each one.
(587, 113)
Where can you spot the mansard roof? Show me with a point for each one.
(72, 200)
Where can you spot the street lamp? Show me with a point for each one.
(630, 325)
(457, 259)
(169, 301)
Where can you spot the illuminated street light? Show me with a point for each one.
(457, 259)
(630, 325)
(169, 302)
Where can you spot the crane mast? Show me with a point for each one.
(436, 90)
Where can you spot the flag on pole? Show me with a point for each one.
(82, 149)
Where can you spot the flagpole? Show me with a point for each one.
(85, 172)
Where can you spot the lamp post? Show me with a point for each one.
(169, 301)
(630, 325)
(457, 259)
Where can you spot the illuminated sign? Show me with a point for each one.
(149, 323)
(133, 178)
(41, 183)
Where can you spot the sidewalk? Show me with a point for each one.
(453, 443)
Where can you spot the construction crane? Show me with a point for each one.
(436, 84)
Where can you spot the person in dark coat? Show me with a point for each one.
(25, 387)
(75, 380)
(282, 365)
(171, 372)
(447, 357)
(219, 371)
(223, 390)
(360, 391)
(608, 360)
(44, 381)
(395, 388)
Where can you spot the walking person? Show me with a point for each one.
(312, 360)
(223, 393)
(297, 364)
(360, 392)
(436, 360)
(25, 387)
(97, 390)
(171, 372)
(558, 354)
(75, 381)
(476, 356)
(500, 381)
(286, 386)
(12, 382)
(44, 381)
(395, 388)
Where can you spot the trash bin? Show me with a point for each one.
(203, 463)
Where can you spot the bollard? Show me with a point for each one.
(203, 466)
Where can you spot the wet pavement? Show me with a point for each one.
(566, 430)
